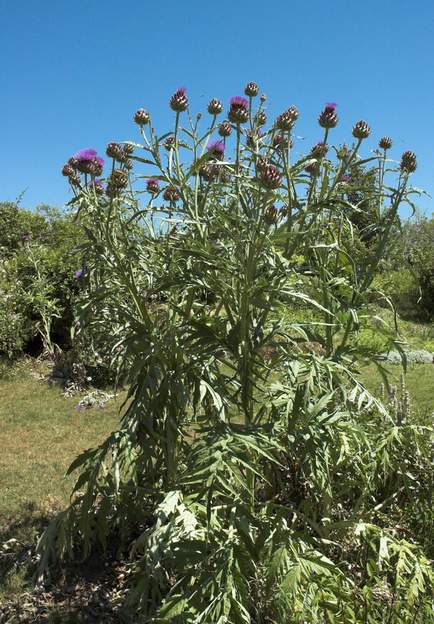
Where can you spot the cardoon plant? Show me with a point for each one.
(253, 478)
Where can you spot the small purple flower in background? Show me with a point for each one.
(80, 408)
(80, 273)
(152, 185)
(217, 149)
(345, 179)
(330, 106)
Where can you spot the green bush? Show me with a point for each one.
(38, 253)
(253, 478)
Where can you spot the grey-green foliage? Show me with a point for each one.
(264, 481)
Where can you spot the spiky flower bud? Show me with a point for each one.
(179, 101)
(152, 185)
(169, 143)
(328, 117)
(287, 119)
(271, 215)
(128, 149)
(97, 186)
(67, 170)
(281, 141)
(262, 162)
(215, 107)
(251, 89)
(114, 150)
(141, 117)
(361, 130)
(385, 143)
(260, 118)
(171, 194)
(313, 168)
(408, 162)
(239, 110)
(118, 178)
(209, 172)
(225, 129)
(319, 150)
(270, 177)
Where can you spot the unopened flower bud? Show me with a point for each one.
(251, 89)
(287, 119)
(141, 117)
(385, 143)
(271, 215)
(281, 141)
(171, 194)
(152, 185)
(114, 150)
(260, 118)
(328, 117)
(270, 177)
(319, 150)
(408, 162)
(215, 107)
(361, 130)
(169, 143)
(179, 101)
(225, 129)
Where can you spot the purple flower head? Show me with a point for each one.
(330, 106)
(345, 179)
(181, 90)
(238, 101)
(217, 148)
(99, 160)
(152, 185)
(85, 154)
(80, 273)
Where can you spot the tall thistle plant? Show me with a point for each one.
(253, 478)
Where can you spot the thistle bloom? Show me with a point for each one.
(152, 185)
(328, 117)
(345, 179)
(239, 110)
(87, 161)
(85, 154)
(80, 273)
(217, 149)
(179, 101)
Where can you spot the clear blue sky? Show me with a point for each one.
(73, 73)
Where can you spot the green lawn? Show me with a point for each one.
(41, 432)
